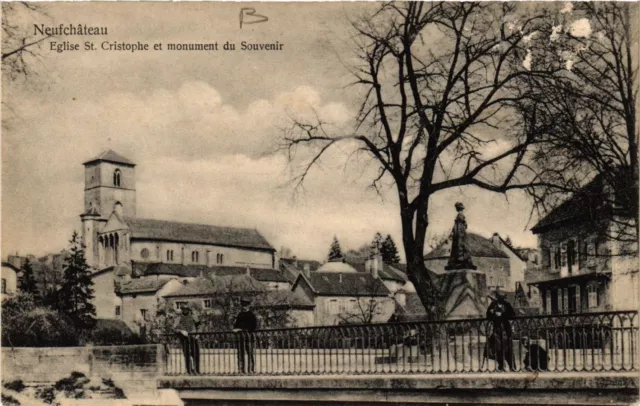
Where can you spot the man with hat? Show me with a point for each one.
(499, 344)
(186, 324)
(246, 323)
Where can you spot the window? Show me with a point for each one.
(565, 300)
(207, 303)
(557, 257)
(547, 298)
(195, 256)
(117, 310)
(591, 253)
(116, 178)
(219, 258)
(571, 255)
(144, 313)
(4, 285)
(180, 305)
(592, 296)
(332, 306)
(169, 255)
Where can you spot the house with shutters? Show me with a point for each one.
(342, 295)
(583, 266)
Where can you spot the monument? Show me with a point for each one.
(464, 287)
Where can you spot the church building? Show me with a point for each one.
(114, 235)
(131, 255)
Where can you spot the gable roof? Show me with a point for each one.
(583, 203)
(283, 298)
(478, 247)
(110, 156)
(344, 284)
(290, 268)
(387, 272)
(195, 270)
(10, 266)
(516, 251)
(142, 285)
(150, 229)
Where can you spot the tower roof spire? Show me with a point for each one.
(110, 156)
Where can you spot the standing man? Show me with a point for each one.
(186, 324)
(499, 343)
(246, 323)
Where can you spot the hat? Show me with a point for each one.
(245, 302)
(459, 206)
(500, 294)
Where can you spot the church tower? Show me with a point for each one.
(109, 178)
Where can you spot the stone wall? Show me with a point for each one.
(130, 366)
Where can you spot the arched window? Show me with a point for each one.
(169, 255)
(116, 178)
(195, 256)
(221, 258)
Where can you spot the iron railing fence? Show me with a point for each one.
(578, 342)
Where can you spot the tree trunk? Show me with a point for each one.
(416, 271)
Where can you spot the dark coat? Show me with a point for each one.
(246, 321)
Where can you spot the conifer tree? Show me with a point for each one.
(389, 251)
(76, 292)
(27, 281)
(335, 251)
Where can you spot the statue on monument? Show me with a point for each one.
(460, 256)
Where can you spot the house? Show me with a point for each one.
(584, 267)
(489, 259)
(220, 296)
(341, 295)
(9, 280)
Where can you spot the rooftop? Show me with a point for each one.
(478, 245)
(224, 285)
(345, 284)
(110, 156)
(150, 229)
(583, 203)
(142, 285)
(194, 270)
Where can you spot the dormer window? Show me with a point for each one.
(116, 178)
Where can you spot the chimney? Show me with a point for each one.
(495, 239)
(295, 261)
(374, 262)
(340, 275)
(306, 270)
(248, 271)
(401, 297)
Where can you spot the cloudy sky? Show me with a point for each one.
(199, 126)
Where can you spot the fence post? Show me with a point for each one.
(161, 359)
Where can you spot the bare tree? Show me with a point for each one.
(590, 109)
(19, 48)
(443, 86)
(365, 308)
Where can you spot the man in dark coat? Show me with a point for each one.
(500, 344)
(246, 323)
(186, 324)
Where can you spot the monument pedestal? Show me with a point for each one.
(465, 294)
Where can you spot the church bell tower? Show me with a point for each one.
(109, 178)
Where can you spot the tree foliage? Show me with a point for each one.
(587, 122)
(76, 294)
(27, 282)
(335, 252)
(24, 324)
(389, 251)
